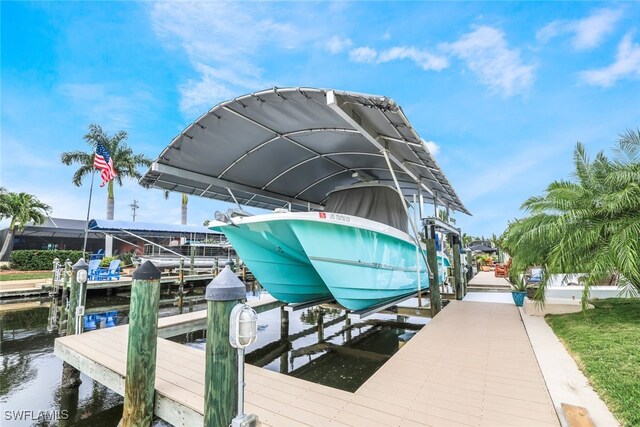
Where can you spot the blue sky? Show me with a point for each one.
(502, 90)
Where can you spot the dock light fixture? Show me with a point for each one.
(243, 326)
(243, 331)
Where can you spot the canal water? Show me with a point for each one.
(319, 344)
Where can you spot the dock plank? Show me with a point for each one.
(470, 366)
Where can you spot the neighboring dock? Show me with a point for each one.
(39, 287)
(471, 365)
(24, 288)
(126, 281)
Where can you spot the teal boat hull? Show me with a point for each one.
(361, 267)
(304, 257)
(275, 257)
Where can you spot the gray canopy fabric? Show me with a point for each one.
(295, 145)
(376, 203)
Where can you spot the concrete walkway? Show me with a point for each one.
(563, 379)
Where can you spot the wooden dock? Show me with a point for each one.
(24, 288)
(471, 365)
(126, 281)
(486, 281)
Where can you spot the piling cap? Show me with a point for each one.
(147, 271)
(80, 265)
(225, 287)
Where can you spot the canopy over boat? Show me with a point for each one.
(295, 145)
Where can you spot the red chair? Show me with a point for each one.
(502, 270)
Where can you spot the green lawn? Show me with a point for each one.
(25, 275)
(605, 342)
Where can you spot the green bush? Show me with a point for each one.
(40, 260)
(104, 262)
(126, 258)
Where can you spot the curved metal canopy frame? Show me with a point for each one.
(294, 145)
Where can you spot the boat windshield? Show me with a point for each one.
(377, 203)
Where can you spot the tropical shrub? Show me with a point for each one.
(589, 224)
(40, 260)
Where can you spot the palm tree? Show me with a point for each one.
(590, 224)
(21, 208)
(125, 162)
(183, 207)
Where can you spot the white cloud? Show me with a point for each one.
(422, 58)
(337, 44)
(587, 33)
(627, 64)
(363, 54)
(224, 42)
(433, 147)
(487, 54)
(100, 100)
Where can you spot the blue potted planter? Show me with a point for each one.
(518, 297)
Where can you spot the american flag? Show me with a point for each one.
(104, 163)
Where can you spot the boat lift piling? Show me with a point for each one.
(459, 283)
(284, 324)
(432, 258)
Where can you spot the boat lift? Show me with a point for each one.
(365, 312)
(303, 305)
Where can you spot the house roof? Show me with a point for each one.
(115, 225)
(64, 227)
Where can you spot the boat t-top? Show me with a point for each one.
(338, 171)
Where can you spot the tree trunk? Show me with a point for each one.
(7, 242)
(183, 212)
(110, 200)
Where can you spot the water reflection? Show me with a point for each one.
(322, 345)
(30, 372)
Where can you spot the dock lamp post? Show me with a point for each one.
(243, 331)
(231, 324)
(81, 270)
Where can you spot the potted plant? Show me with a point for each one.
(485, 262)
(518, 290)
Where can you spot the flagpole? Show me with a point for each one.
(86, 227)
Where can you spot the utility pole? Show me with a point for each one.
(134, 206)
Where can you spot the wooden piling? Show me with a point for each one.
(432, 258)
(141, 350)
(221, 371)
(284, 324)
(456, 267)
(62, 328)
(192, 266)
(73, 302)
(181, 286)
(56, 264)
(70, 375)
